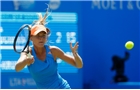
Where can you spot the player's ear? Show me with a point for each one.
(48, 31)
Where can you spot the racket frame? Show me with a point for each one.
(28, 41)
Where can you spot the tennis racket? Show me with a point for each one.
(22, 40)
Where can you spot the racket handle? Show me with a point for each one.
(29, 55)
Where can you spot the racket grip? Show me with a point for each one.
(29, 55)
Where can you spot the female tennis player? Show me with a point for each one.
(43, 63)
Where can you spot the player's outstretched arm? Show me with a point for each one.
(74, 60)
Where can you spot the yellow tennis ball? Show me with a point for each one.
(129, 45)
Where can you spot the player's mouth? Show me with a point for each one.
(41, 42)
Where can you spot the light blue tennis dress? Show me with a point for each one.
(45, 72)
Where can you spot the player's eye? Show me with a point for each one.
(41, 36)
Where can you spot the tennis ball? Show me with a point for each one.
(129, 45)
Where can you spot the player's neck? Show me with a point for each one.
(39, 50)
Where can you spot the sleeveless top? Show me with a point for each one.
(45, 72)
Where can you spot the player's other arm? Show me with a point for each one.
(74, 61)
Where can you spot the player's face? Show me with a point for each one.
(40, 39)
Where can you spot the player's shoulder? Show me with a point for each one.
(56, 51)
(54, 47)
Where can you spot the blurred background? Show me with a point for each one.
(101, 27)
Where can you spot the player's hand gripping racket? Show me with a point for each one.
(22, 40)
